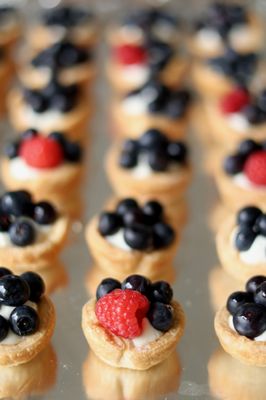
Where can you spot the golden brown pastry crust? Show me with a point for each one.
(240, 347)
(30, 346)
(120, 352)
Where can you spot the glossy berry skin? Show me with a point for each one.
(12, 150)
(4, 328)
(261, 224)
(234, 164)
(36, 285)
(250, 320)
(125, 205)
(44, 213)
(29, 133)
(153, 212)
(129, 54)
(128, 159)
(247, 216)
(255, 168)
(14, 291)
(109, 223)
(244, 239)
(163, 235)
(133, 217)
(158, 160)
(153, 138)
(130, 146)
(253, 283)
(24, 320)
(248, 146)
(106, 286)
(161, 292)
(5, 222)
(4, 271)
(17, 203)
(160, 316)
(237, 299)
(177, 152)
(22, 233)
(72, 152)
(260, 294)
(234, 101)
(58, 137)
(41, 152)
(122, 311)
(138, 237)
(138, 283)
(253, 114)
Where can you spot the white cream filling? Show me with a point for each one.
(148, 335)
(5, 312)
(131, 34)
(45, 120)
(260, 338)
(143, 169)
(117, 240)
(256, 254)
(208, 39)
(20, 170)
(242, 181)
(238, 122)
(137, 104)
(137, 74)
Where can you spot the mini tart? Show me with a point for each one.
(101, 380)
(230, 257)
(132, 126)
(73, 123)
(30, 346)
(119, 352)
(240, 347)
(39, 254)
(167, 187)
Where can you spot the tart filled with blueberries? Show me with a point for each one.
(152, 105)
(241, 243)
(151, 166)
(132, 238)
(241, 324)
(27, 317)
(134, 324)
(47, 166)
(31, 233)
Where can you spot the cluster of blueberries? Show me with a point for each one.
(67, 17)
(234, 163)
(252, 222)
(144, 227)
(255, 112)
(53, 96)
(19, 214)
(160, 294)
(172, 103)
(249, 308)
(159, 54)
(147, 19)
(15, 291)
(160, 151)
(72, 151)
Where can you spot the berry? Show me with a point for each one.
(153, 138)
(122, 312)
(128, 54)
(234, 164)
(177, 151)
(253, 283)
(24, 320)
(248, 146)
(138, 283)
(5, 222)
(138, 237)
(4, 271)
(37, 101)
(254, 114)
(244, 238)
(72, 152)
(261, 224)
(109, 223)
(42, 152)
(161, 292)
(17, 203)
(22, 233)
(44, 213)
(255, 168)
(106, 286)
(126, 205)
(160, 316)
(250, 320)
(260, 294)
(163, 235)
(14, 291)
(153, 212)
(262, 100)
(247, 216)
(4, 328)
(36, 285)
(58, 137)
(128, 159)
(12, 150)
(131, 146)
(237, 299)
(29, 133)
(132, 217)
(158, 160)
(62, 102)
(234, 101)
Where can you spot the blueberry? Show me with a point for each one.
(262, 100)
(12, 150)
(4, 271)
(236, 299)
(62, 102)
(17, 203)
(153, 212)
(153, 138)
(126, 205)
(138, 283)
(106, 286)
(138, 237)
(132, 217)
(130, 146)
(44, 213)
(247, 147)
(158, 160)
(109, 223)
(24, 321)
(260, 295)
(234, 164)
(177, 151)
(5, 222)
(254, 282)
(59, 137)
(163, 235)
(250, 320)
(72, 152)
(261, 224)
(161, 292)
(244, 238)
(247, 216)
(14, 291)
(157, 106)
(128, 159)
(36, 285)
(4, 328)
(161, 316)
(37, 101)
(253, 114)
(29, 134)
(22, 233)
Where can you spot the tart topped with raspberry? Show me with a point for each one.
(134, 324)
(241, 325)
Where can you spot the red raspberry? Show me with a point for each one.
(122, 312)
(234, 101)
(41, 152)
(129, 54)
(255, 168)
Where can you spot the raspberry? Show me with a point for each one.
(234, 101)
(41, 152)
(255, 168)
(128, 54)
(122, 312)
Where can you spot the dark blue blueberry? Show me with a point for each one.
(159, 54)
(260, 226)
(125, 205)
(109, 223)
(234, 164)
(29, 133)
(72, 151)
(5, 222)
(67, 16)
(138, 237)
(138, 283)
(12, 149)
(106, 286)
(177, 152)
(153, 138)
(36, 285)
(158, 160)
(128, 159)
(254, 282)
(4, 328)
(260, 295)
(163, 235)
(37, 101)
(17, 203)
(254, 114)
(14, 291)
(244, 238)
(4, 271)
(24, 321)
(247, 216)
(44, 213)
(153, 212)
(132, 217)
(59, 137)
(130, 146)
(248, 146)
(161, 292)
(237, 299)
(261, 100)
(22, 233)
(161, 316)
(250, 320)
(61, 102)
